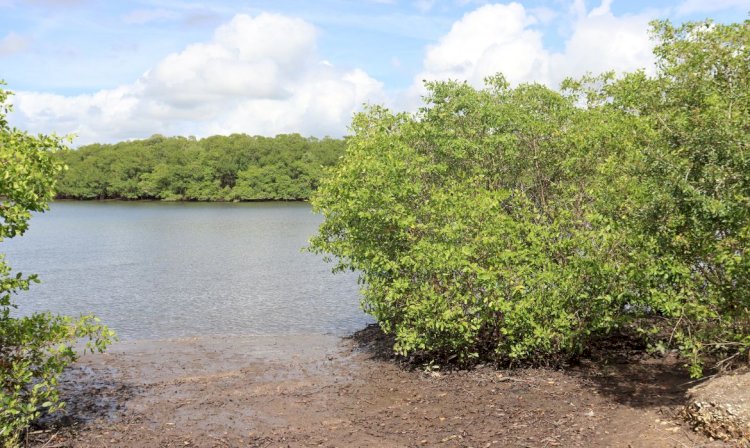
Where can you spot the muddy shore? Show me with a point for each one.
(314, 390)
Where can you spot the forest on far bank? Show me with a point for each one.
(238, 167)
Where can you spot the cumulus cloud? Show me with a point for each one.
(505, 38)
(258, 75)
(602, 41)
(487, 40)
(263, 75)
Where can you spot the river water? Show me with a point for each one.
(153, 270)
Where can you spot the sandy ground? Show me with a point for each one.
(324, 391)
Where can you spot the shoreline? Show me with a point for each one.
(305, 200)
(325, 390)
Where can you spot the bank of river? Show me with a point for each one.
(315, 390)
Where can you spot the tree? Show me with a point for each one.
(34, 349)
(218, 168)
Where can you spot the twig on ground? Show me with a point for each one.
(698, 380)
(47, 443)
(503, 379)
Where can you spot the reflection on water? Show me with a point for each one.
(156, 270)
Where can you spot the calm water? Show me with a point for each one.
(163, 270)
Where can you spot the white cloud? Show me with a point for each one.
(487, 40)
(504, 38)
(693, 6)
(602, 41)
(258, 75)
(262, 74)
(12, 43)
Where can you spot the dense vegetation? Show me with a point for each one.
(519, 224)
(219, 168)
(34, 349)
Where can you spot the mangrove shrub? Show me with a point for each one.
(694, 210)
(519, 223)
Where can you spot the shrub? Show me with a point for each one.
(695, 210)
(473, 222)
(520, 223)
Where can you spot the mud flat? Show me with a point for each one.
(314, 390)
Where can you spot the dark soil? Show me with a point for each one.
(322, 391)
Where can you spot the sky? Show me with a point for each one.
(108, 71)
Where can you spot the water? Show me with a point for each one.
(154, 270)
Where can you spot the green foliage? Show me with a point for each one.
(695, 212)
(471, 223)
(514, 224)
(234, 168)
(34, 349)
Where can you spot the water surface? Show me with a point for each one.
(155, 270)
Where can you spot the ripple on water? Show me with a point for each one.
(156, 270)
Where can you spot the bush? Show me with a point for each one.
(513, 224)
(695, 213)
(34, 349)
(474, 225)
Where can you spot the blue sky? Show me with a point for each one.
(108, 70)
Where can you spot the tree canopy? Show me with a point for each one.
(220, 168)
(522, 223)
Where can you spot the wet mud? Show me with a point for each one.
(314, 390)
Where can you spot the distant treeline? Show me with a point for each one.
(220, 168)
